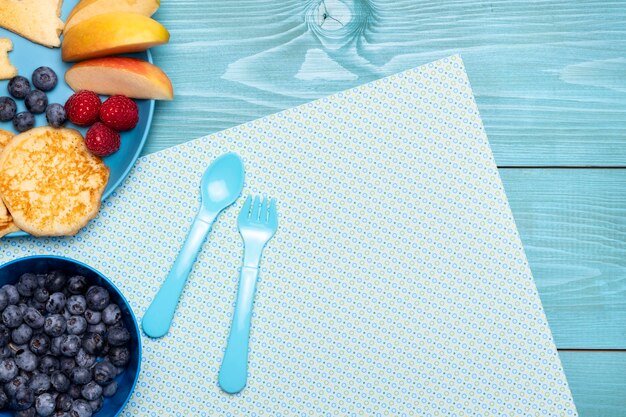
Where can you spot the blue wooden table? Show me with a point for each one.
(550, 81)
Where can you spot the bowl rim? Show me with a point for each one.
(132, 313)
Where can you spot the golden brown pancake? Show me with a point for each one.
(50, 183)
(6, 221)
(7, 70)
(36, 20)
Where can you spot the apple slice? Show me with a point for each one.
(86, 9)
(111, 34)
(119, 75)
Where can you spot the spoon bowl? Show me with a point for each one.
(222, 183)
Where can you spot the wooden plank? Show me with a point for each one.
(548, 75)
(597, 382)
(573, 226)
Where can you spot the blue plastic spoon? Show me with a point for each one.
(221, 185)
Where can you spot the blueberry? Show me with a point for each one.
(27, 284)
(33, 318)
(119, 355)
(104, 372)
(66, 365)
(41, 307)
(74, 391)
(3, 399)
(48, 364)
(77, 325)
(64, 401)
(96, 405)
(12, 316)
(8, 108)
(55, 281)
(93, 317)
(44, 78)
(45, 404)
(84, 359)
(91, 391)
(54, 325)
(111, 314)
(56, 303)
(41, 294)
(23, 121)
(99, 328)
(77, 304)
(80, 375)
(80, 408)
(39, 383)
(60, 382)
(70, 345)
(39, 344)
(11, 387)
(55, 345)
(41, 279)
(93, 343)
(24, 398)
(8, 370)
(55, 115)
(36, 101)
(13, 296)
(26, 360)
(22, 334)
(5, 335)
(97, 298)
(5, 352)
(110, 390)
(19, 86)
(118, 336)
(77, 284)
(29, 412)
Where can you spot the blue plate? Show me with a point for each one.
(28, 56)
(127, 380)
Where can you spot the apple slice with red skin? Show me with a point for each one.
(130, 77)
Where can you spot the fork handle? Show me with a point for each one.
(234, 370)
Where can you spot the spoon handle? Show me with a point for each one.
(158, 318)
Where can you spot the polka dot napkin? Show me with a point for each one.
(396, 285)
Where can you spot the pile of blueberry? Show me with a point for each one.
(62, 343)
(36, 101)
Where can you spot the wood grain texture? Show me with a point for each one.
(548, 75)
(573, 226)
(597, 382)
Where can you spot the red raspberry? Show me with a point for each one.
(119, 113)
(101, 140)
(82, 108)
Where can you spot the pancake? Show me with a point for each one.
(6, 221)
(50, 183)
(7, 70)
(36, 20)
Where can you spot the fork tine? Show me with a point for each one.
(273, 214)
(245, 209)
(254, 214)
(263, 210)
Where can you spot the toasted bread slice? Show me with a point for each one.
(50, 182)
(7, 70)
(36, 20)
(6, 221)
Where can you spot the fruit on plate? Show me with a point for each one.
(110, 34)
(101, 140)
(50, 183)
(86, 9)
(82, 108)
(119, 113)
(121, 76)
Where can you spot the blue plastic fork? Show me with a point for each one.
(257, 224)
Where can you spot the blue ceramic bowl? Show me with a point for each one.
(11, 271)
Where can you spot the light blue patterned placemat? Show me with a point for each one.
(396, 286)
